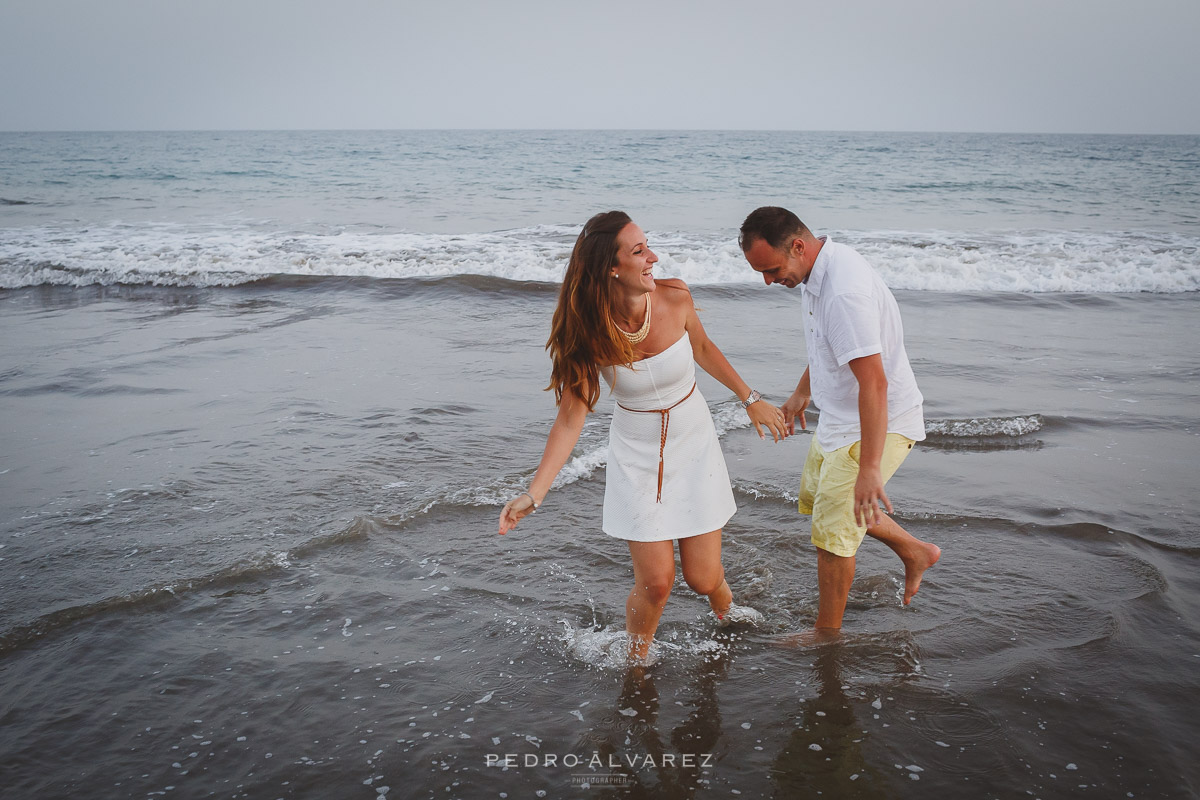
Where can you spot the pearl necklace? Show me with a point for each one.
(642, 332)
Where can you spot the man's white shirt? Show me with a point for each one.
(849, 313)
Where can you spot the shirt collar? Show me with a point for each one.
(816, 276)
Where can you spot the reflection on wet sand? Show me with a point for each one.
(824, 753)
(648, 766)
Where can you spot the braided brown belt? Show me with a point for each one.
(662, 443)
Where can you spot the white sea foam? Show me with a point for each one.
(176, 255)
(502, 490)
(1051, 261)
(179, 255)
(985, 426)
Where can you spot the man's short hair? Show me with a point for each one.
(774, 225)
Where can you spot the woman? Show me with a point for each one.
(666, 477)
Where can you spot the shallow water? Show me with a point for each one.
(248, 549)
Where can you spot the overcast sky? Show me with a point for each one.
(1089, 66)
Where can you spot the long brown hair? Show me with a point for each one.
(584, 336)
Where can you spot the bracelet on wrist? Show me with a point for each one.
(754, 397)
(532, 500)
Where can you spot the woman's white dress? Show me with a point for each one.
(696, 495)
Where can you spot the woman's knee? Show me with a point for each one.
(704, 581)
(656, 588)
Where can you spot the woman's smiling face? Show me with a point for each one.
(635, 260)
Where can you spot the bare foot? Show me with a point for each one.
(639, 649)
(721, 600)
(914, 568)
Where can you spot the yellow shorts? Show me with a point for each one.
(827, 491)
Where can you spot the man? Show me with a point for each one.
(859, 376)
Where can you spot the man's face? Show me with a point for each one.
(785, 267)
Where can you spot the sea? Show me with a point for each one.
(263, 394)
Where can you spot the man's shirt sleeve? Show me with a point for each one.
(852, 327)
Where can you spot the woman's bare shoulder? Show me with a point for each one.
(673, 290)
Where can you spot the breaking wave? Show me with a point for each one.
(215, 256)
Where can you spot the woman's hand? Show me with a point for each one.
(514, 511)
(763, 413)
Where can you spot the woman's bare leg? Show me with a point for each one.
(653, 577)
(700, 557)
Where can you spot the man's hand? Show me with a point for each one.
(792, 409)
(868, 495)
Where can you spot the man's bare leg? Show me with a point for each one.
(917, 555)
(835, 574)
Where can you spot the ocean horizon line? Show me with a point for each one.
(843, 131)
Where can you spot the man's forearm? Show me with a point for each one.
(804, 388)
(872, 410)
(873, 420)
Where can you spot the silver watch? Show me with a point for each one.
(754, 397)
